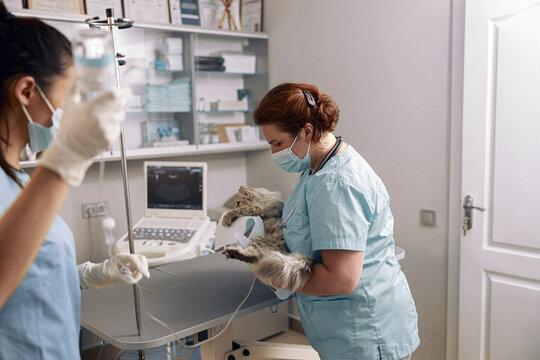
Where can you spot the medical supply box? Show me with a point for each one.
(238, 61)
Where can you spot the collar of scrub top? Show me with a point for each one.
(331, 153)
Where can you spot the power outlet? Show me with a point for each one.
(427, 218)
(96, 209)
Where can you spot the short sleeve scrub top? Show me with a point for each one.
(41, 320)
(345, 206)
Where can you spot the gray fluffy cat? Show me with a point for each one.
(267, 256)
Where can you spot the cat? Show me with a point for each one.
(267, 255)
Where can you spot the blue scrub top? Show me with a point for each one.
(346, 206)
(41, 320)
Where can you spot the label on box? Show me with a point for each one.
(176, 16)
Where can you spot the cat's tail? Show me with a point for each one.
(292, 271)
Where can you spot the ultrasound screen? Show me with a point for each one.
(175, 187)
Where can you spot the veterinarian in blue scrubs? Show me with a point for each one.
(357, 303)
(40, 282)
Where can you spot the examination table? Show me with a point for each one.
(213, 289)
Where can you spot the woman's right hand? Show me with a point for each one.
(87, 129)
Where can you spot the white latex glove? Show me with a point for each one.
(126, 268)
(282, 294)
(87, 129)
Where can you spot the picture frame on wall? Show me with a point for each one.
(14, 4)
(251, 15)
(147, 11)
(97, 7)
(212, 13)
(57, 6)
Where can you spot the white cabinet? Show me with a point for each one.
(176, 107)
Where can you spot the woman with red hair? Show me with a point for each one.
(357, 303)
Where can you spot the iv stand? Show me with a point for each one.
(110, 25)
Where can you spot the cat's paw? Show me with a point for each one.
(228, 219)
(230, 252)
(235, 252)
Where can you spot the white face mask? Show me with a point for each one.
(40, 137)
(289, 162)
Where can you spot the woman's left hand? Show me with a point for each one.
(273, 282)
(276, 283)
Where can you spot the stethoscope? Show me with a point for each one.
(331, 153)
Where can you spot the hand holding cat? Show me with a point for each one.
(273, 282)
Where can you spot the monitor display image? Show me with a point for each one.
(175, 187)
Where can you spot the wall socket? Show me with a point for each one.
(427, 217)
(96, 209)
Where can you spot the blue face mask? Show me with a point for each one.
(40, 137)
(289, 162)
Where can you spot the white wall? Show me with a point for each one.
(386, 63)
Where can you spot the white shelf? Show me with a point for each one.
(80, 18)
(188, 150)
(225, 111)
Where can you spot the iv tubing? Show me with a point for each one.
(207, 340)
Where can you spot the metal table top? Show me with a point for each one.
(213, 289)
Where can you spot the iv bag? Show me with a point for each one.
(93, 55)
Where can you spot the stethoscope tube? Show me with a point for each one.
(332, 152)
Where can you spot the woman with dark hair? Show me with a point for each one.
(357, 303)
(39, 280)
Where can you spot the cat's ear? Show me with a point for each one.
(244, 190)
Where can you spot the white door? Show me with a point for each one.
(499, 305)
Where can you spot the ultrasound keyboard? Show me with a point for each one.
(177, 235)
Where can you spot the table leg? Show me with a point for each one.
(217, 348)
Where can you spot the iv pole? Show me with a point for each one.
(110, 25)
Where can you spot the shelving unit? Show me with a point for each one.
(224, 111)
(77, 18)
(141, 44)
(173, 151)
(229, 73)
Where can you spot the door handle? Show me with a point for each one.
(467, 218)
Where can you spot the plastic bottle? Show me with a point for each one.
(108, 223)
(93, 55)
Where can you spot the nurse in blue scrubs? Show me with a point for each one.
(357, 303)
(40, 282)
